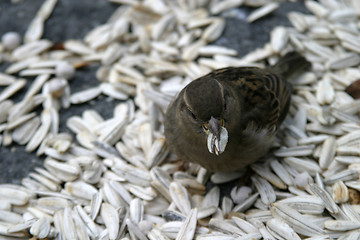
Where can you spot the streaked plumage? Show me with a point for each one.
(250, 103)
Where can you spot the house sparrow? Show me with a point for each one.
(228, 118)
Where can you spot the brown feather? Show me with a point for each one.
(252, 102)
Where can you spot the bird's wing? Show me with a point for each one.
(265, 96)
(280, 91)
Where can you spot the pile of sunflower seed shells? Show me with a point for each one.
(115, 178)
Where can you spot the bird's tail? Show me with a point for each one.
(291, 64)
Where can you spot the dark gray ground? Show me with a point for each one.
(73, 19)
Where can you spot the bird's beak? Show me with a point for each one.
(217, 136)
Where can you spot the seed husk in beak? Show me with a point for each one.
(217, 136)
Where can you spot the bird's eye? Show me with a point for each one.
(192, 115)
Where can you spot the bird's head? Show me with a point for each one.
(205, 108)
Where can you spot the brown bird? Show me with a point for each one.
(228, 118)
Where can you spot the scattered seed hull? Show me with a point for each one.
(116, 179)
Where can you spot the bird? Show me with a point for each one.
(228, 118)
